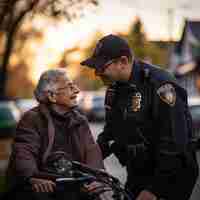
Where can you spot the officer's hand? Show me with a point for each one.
(146, 195)
(42, 185)
(96, 187)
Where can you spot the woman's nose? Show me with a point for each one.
(76, 89)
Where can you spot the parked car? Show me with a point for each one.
(97, 112)
(92, 105)
(9, 116)
(26, 104)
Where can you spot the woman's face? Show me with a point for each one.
(66, 92)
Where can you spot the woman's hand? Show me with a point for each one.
(146, 195)
(42, 185)
(91, 186)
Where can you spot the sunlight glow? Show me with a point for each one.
(110, 17)
(74, 57)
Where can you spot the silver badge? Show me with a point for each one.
(167, 94)
(136, 101)
(110, 95)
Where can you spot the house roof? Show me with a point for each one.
(194, 27)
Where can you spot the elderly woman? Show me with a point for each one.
(55, 125)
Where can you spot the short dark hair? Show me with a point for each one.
(108, 48)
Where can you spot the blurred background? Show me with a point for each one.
(37, 35)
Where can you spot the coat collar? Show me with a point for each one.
(135, 77)
(74, 117)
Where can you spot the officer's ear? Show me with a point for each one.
(124, 61)
(51, 96)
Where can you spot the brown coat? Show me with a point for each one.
(33, 136)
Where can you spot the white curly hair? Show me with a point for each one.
(48, 83)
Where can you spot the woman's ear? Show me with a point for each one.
(51, 97)
(124, 60)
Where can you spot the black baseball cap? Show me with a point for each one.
(108, 48)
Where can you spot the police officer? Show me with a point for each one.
(148, 126)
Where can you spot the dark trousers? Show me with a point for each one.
(27, 193)
(179, 186)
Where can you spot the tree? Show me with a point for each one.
(137, 39)
(13, 14)
(155, 52)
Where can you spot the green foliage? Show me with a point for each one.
(143, 49)
(158, 54)
(137, 39)
(2, 184)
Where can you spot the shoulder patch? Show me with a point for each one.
(167, 94)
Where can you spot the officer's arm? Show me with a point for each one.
(104, 138)
(171, 134)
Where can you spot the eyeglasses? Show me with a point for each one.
(60, 89)
(70, 86)
(63, 88)
(104, 67)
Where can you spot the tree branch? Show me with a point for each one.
(6, 7)
(9, 44)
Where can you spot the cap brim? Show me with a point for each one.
(94, 62)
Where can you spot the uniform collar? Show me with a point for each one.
(135, 77)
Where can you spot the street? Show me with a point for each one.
(114, 168)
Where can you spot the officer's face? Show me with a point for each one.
(110, 71)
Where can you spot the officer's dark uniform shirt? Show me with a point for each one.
(148, 129)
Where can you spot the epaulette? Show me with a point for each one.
(157, 74)
(145, 72)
